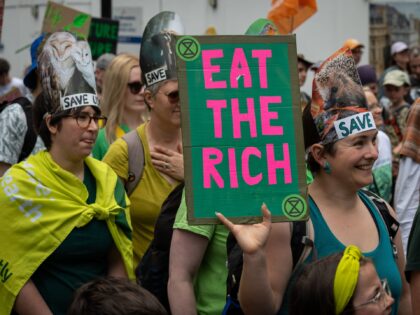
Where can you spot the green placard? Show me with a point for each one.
(242, 128)
(103, 36)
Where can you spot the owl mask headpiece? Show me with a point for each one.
(339, 107)
(67, 74)
(157, 52)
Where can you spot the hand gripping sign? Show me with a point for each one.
(242, 127)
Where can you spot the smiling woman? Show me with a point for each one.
(61, 197)
(341, 213)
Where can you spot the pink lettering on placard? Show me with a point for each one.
(211, 158)
(233, 173)
(238, 118)
(274, 164)
(266, 116)
(216, 106)
(250, 180)
(262, 55)
(209, 69)
(240, 69)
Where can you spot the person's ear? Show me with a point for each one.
(52, 128)
(149, 99)
(318, 153)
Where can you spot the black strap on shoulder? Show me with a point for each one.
(391, 223)
(166, 219)
(152, 273)
(299, 241)
(3, 105)
(136, 160)
(235, 262)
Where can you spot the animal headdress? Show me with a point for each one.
(67, 75)
(157, 52)
(339, 107)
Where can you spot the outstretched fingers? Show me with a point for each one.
(264, 210)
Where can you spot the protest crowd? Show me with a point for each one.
(94, 188)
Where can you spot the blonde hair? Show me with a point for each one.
(116, 79)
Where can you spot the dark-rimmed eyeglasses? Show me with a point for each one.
(173, 97)
(84, 120)
(379, 297)
(135, 87)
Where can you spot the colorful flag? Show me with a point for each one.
(289, 14)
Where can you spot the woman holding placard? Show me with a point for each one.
(340, 139)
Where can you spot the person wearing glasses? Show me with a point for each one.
(64, 213)
(342, 283)
(160, 135)
(122, 101)
(340, 139)
(382, 168)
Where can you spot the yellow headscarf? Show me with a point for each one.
(346, 276)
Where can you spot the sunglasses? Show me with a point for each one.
(173, 97)
(135, 87)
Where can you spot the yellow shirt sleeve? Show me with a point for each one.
(117, 158)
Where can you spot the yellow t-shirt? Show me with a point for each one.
(147, 197)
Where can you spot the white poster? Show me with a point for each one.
(131, 24)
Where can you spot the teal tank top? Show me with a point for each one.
(326, 243)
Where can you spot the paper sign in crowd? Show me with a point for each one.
(242, 129)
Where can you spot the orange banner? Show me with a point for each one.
(289, 14)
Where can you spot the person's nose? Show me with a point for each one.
(372, 150)
(389, 301)
(93, 125)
